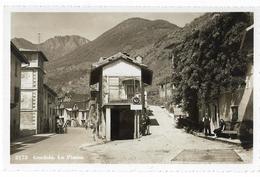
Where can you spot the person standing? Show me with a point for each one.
(148, 123)
(206, 121)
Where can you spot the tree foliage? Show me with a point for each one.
(209, 61)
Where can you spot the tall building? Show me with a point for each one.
(17, 58)
(32, 93)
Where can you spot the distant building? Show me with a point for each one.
(32, 93)
(75, 114)
(166, 88)
(120, 98)
(49, 107)
(17, 58)
(166, 91)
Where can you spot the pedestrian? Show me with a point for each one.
(206, 121)
(60, 126)
(222, 126)
(93, 126)
(148, 123)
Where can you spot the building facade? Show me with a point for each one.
(49, 107)
(17, 58)
(74, 114)
(120, 99)
(165, 89)
(32, 93)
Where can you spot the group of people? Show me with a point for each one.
(207, 128)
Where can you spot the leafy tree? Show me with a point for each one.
(209, 61)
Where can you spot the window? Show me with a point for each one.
(131, 87)
(113, 88)
(122, 88)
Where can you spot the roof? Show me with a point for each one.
(34, 51)
(96, 70)
(18, 54)
(81, 105)
(50, 90)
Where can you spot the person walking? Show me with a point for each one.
(206, 121)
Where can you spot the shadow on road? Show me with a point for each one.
(24, 144)
(154, 122)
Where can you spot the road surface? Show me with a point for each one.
(166, 144)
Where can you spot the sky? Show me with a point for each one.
(89, 25)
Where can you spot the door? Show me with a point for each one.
(122, 124)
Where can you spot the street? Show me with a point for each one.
(166, 144)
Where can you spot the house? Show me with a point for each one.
(49, 107)
(166, 91)
(166, 88)
(120, 101)
(74, 113)
(17, 58)
(32, 93)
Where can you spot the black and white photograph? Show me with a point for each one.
(131, 87)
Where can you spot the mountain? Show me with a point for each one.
(23, 43)
(69, 71)
(55, 47)
(136, 36)
(61, 45)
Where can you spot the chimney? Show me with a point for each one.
(139, 59)
(101, 59)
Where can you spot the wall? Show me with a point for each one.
(49, 106)
(15, 96)
(243, 98)
(29, 101)
(112, 81)
(32, 96)
(165, 91)
(121, 68)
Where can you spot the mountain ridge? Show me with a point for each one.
(135, 36)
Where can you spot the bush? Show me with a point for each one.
(246, 134)
(188, 124)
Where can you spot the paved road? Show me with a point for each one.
(60, 148)
(166, 145)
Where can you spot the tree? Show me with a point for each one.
(209, 61)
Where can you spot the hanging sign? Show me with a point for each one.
(135, 107)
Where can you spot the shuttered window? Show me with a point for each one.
(113, 88)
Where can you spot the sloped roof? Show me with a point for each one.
(18, 54)
(34, 51)
(80, 105)
(50, 90)
(96, 70)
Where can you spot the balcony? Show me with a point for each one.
(120, 90)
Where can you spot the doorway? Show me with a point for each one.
(122, 124)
